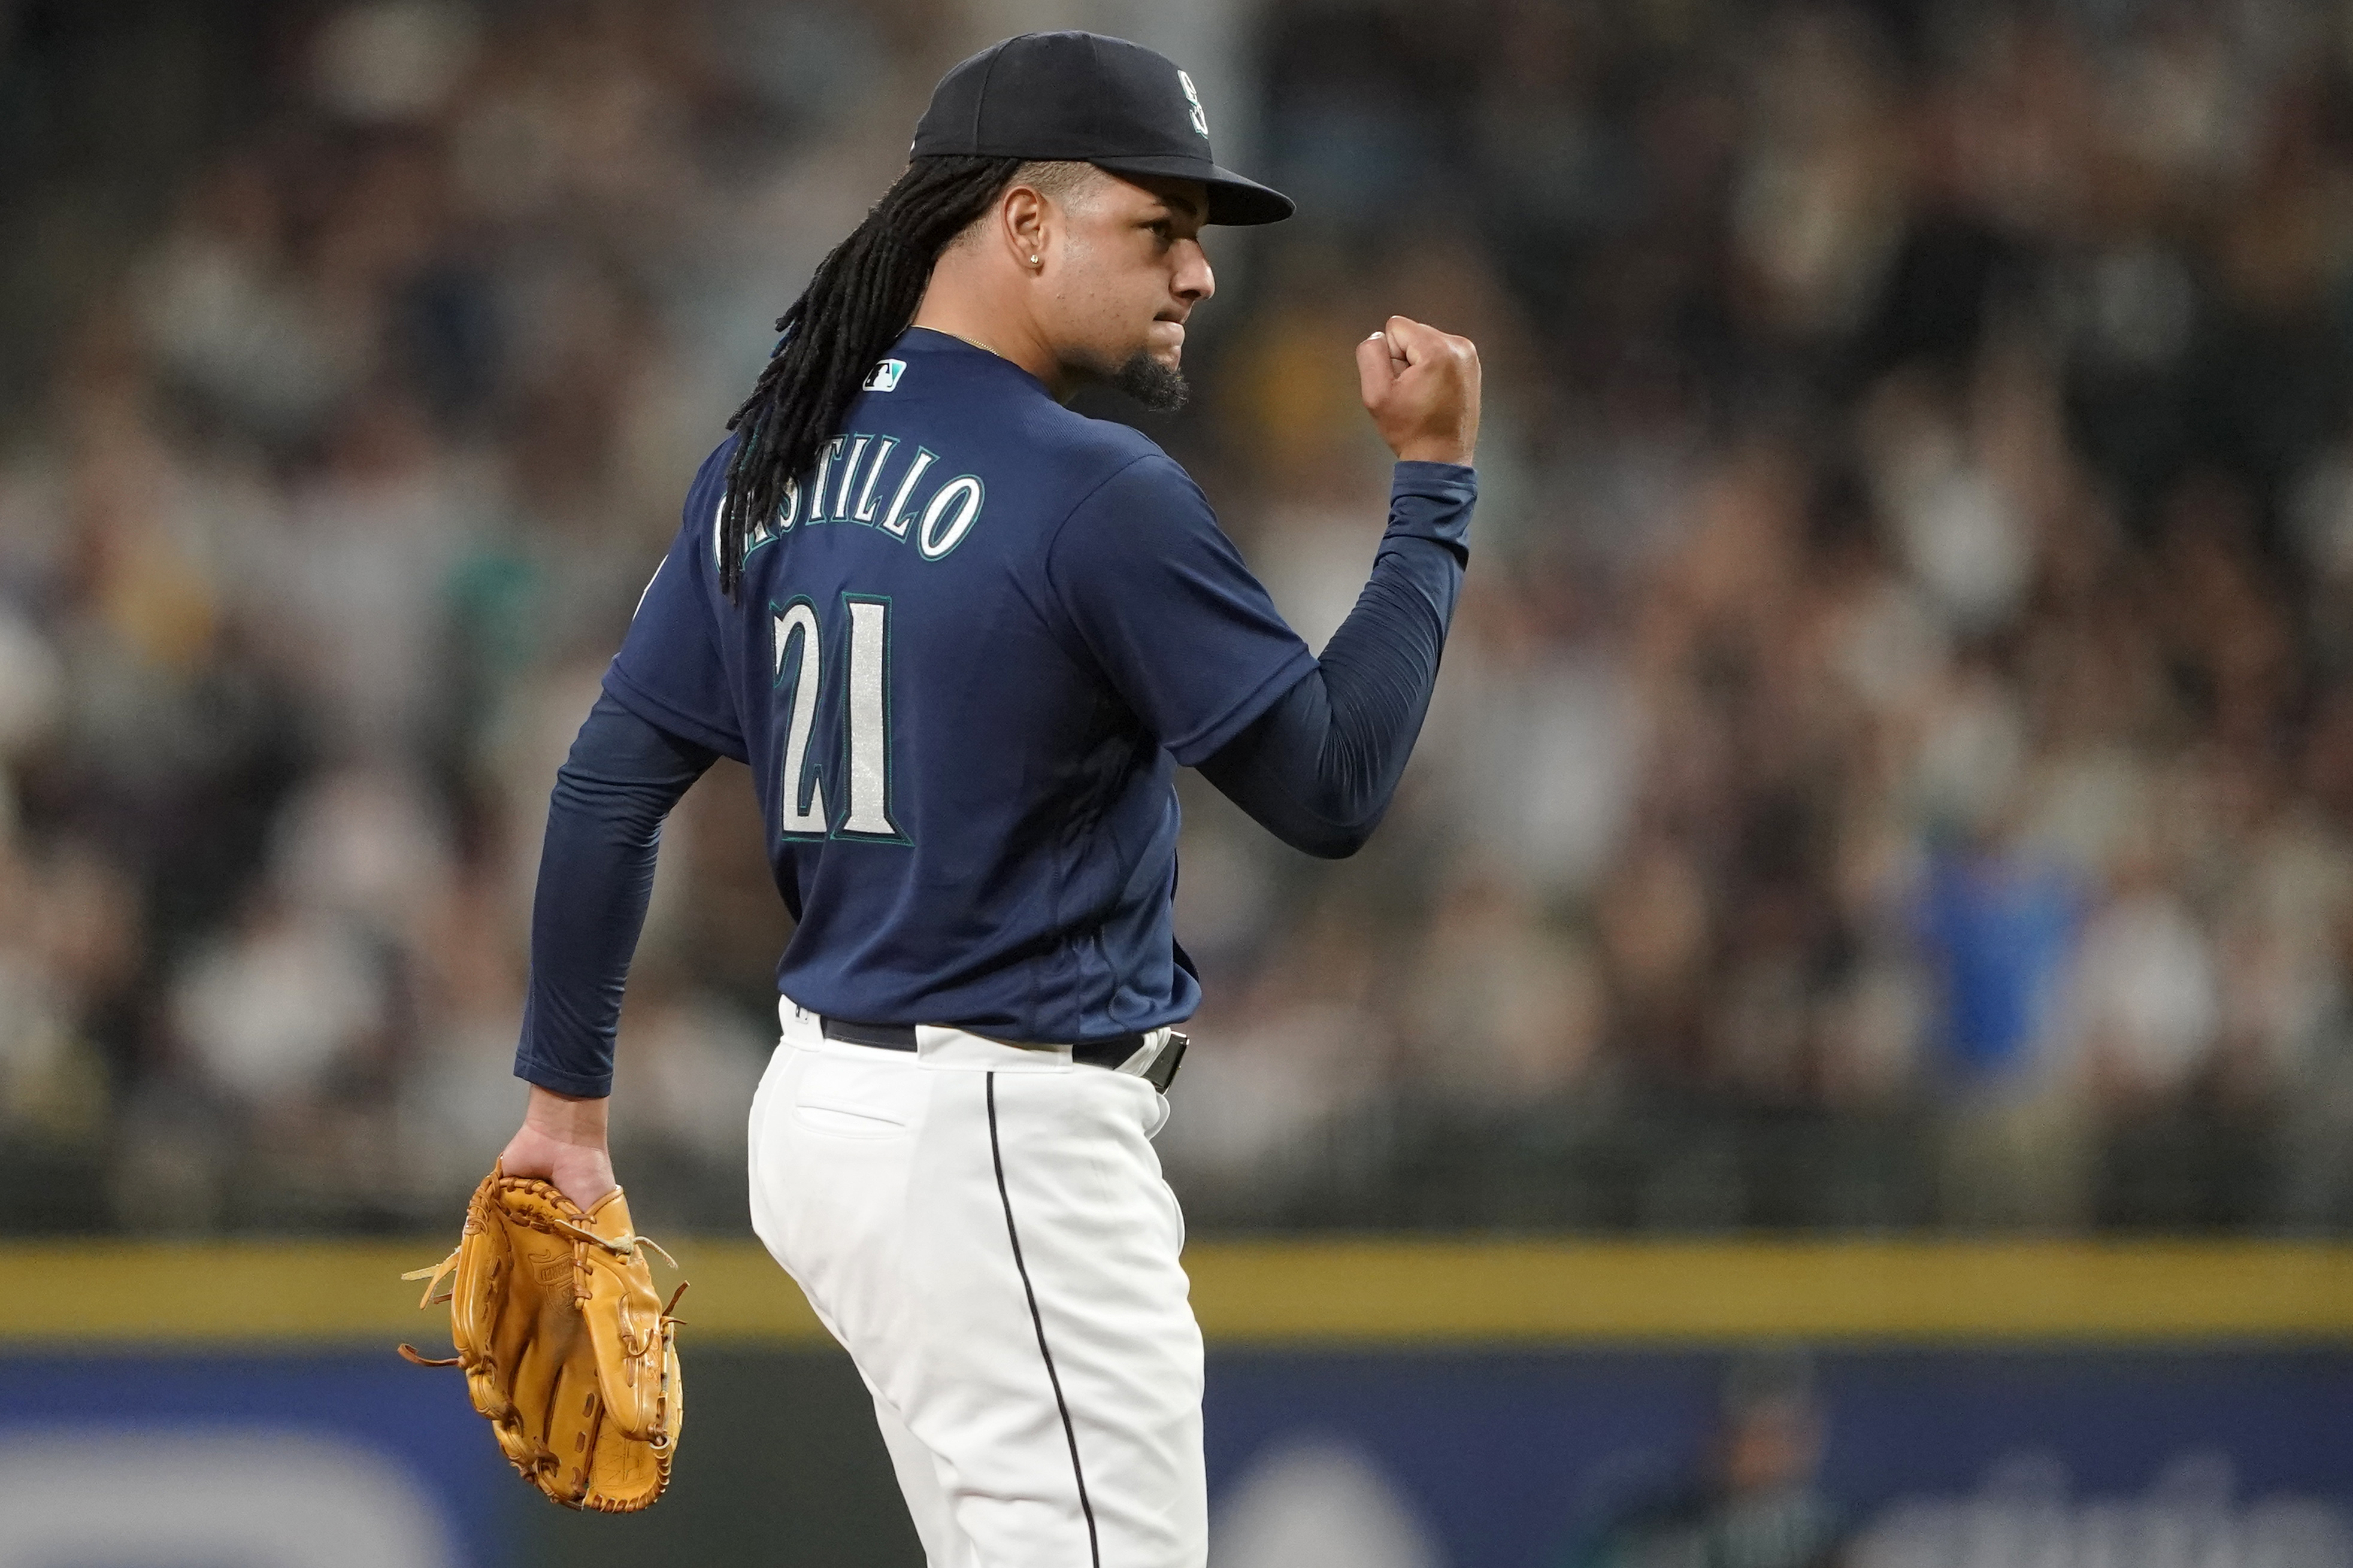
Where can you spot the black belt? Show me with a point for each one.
(1109, 1053)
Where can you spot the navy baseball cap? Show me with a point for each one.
(1083, 97)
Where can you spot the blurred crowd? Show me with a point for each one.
(1893, 767)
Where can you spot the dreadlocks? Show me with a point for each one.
(861, 298)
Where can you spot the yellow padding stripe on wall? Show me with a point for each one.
(1314, 1292)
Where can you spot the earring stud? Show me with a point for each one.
(1033, 261)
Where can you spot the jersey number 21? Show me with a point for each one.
(865, 721)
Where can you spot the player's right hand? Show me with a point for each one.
(563, 1140)
(1421, 387)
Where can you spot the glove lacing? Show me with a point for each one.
(624, 1247)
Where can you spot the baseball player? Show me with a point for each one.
(965, 636)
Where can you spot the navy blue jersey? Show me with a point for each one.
(966, 659)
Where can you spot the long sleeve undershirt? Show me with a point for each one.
(1316, 770)
(596, 873)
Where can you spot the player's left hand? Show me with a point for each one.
(562, 1141)
(1421, 387)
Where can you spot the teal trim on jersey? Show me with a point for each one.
(812, 641)
(980, 499)
(862, 510)
(845, 509)
(788, 511)
(825, 456)
(889, 729)
(898, 521)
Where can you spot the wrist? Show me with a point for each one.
(1420, 473)
(1435, 451)
(578, 1119)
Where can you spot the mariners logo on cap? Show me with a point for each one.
(1060, 97)
(1200, 119)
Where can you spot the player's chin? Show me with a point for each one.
(1157, 383)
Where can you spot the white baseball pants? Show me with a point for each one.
(984, 1228)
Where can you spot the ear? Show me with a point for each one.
(1027, 222)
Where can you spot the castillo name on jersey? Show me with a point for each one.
(926, 509)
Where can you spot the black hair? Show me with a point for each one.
(860, 300)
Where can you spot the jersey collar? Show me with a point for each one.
(930, 340)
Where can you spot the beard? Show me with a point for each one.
(1159, 387)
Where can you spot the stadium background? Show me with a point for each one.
(1890, 793)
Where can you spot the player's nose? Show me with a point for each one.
(1194, 282)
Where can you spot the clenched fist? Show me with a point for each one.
(1421, 387)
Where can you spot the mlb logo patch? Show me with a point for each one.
(884, 377)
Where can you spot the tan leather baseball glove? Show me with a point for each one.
(566, 1348)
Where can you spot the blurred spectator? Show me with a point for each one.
(1894, 768)
(2000, 928)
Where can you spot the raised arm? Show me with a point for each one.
(1318, 768)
